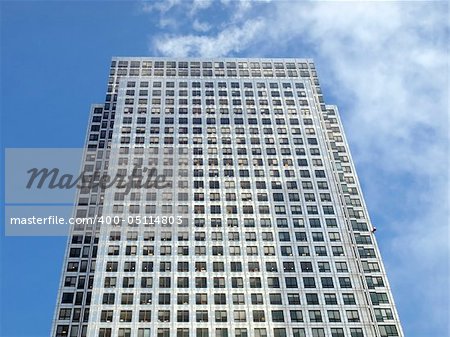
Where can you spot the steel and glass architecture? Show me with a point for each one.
(261, 228)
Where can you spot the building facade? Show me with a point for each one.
(258, 228)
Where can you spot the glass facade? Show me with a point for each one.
(260, 228)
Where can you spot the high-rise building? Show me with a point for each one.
(258, 226)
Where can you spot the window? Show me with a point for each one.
(277, 316)
(164, 282)
(64, 314)
(374, 282)
(126, 315)
(200, 282)
(202, 332)
(238, 299)
(236, 266)
(255, 282)
(220, 316)
(291, 282)
(108, 298)
(345, 282)
(164, 299)
(337, 250)
(296, 315)
(293, 299)
(257, 299)
(145, 298)
(330, 299)
(103, 332)
(315, 316)
(318, 332)
(146, 282)
(110, 282)
(239, 316)
(334, 316)
(237, 282)
(163, 332)
(327, 282)
(379, 298)
(144, 316)
(273, 282)
(183, 298)
(182, 316)
(279, 332)
(129, 266)
(303, 251)
(337, 332)
(182, 332)
(306, 267)
(127, 299)
(258, 316)
(241, 332)
(112, 266)
(388, 330)
(356, 332)
(298, 332)
(352, 316)
(312, 299)
(164, 315)
(349, 299)
(220, 299)
(221, 332)
(383, 314)
(341, 267)
(260, 332)
(67, 298)
(128, 282)
(201, 316)
(324, 267)
(275, 299)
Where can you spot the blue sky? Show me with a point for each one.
(384, 64)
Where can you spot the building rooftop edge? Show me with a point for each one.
(306, 59)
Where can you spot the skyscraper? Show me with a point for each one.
(251, 220)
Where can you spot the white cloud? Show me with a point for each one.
(242, 7)
(230, 40)
(198, 5)
(397, 72)
(162, 6)
(386, 64)
(162, 9)
(201, 26)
